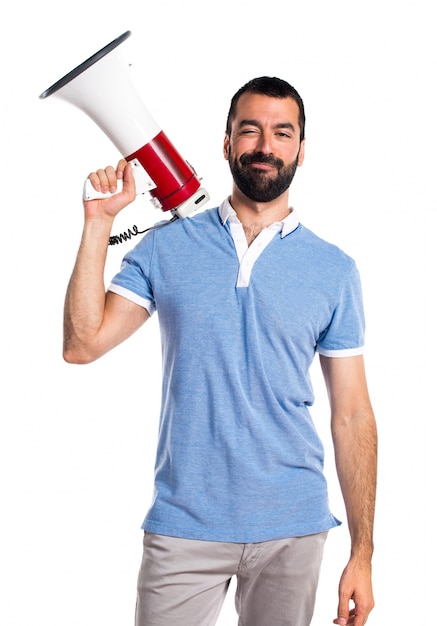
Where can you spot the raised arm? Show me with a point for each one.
(96, 321)
(355, 444)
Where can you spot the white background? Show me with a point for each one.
(77, 442)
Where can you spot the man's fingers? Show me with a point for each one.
(105, 180)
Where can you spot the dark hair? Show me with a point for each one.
(272, 87)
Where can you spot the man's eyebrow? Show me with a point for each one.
(286, 125)
(249, 122)
(254, 122)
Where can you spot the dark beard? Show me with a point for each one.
(258, 185)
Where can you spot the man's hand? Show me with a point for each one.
(105, 180)
(355, 586)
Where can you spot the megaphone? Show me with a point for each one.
(102, 88)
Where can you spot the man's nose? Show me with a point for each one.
(264, 144)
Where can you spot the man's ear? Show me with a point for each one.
(226, 147)
(301, 155)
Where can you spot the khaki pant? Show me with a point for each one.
(183, 582)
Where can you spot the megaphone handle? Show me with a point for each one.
(143, 183)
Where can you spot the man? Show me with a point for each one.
(245, 296)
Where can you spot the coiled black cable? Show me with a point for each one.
(133, 232)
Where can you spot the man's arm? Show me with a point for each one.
(355, 445)
(95, 321)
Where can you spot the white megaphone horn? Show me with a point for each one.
(119, 111)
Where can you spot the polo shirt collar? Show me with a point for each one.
(285, 226)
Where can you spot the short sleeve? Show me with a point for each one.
(345, 334)
(133, 281)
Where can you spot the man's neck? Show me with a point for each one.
(255, 216)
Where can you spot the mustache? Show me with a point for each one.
(260, 157)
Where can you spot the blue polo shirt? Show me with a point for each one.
(238, 456)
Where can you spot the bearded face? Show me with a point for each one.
(261, 185)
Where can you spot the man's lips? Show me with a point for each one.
(262, 166)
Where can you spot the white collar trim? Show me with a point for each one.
(286, 226)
